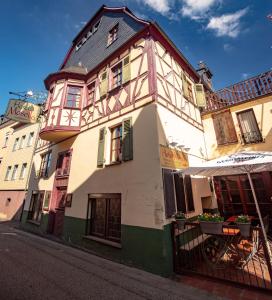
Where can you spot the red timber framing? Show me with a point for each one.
(111, 107)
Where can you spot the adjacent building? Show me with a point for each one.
(16, 152)
(238, 118)
(123, 113)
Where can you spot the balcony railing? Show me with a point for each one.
(249, 89)
(251, 137)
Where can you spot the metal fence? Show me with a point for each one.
(226, 256)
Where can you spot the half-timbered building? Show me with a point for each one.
(122, 114)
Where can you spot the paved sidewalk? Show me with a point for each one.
(36, 268)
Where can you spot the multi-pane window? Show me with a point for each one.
(190, 92)
(112, 35)
(23, 171)
(8, 172)
(105, 216)
(6, 141)
(14, 172)
(63, 163)
(116, 72)
(178, 194)
(36, 204)
(91, 94)
(15, 145)
(73, 97)
(249, 128)
(116, 143)
(22, 142)
(30, 139)
(45, 164)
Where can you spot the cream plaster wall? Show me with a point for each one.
(173, 128)
(263, 112)
(19, 156)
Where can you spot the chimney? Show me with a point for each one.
(205, 73)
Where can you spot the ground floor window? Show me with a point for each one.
(104, 215)
(36, 205)
(235, 197)
(178, 193)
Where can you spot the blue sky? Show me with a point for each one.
(233, 37)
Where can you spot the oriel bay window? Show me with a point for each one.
(35, 208)
(249, 127)
(73, 97)
(104, 216)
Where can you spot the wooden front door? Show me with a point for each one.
(59, 211)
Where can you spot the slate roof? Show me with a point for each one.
(95, 49)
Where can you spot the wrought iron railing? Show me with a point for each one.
(227, 256)
(249, 89)
(251, 137)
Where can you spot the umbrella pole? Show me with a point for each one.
(260, 217)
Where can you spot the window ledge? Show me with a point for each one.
(34, 222)
(113, 164)
(103, 241)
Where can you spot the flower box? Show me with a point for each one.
(244, 229)
(211, 227)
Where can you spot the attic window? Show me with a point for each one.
(113, 33)
(87, 35)
(96, 26)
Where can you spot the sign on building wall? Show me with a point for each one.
(172, 158)
(22, 111)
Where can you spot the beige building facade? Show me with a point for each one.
(99, 176)
(16, 152)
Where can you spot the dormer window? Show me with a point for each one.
(96, 26)
(73, 97)
(113, 33)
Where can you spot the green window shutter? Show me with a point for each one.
(127, 146)
(185, 85)
(101, 146)
(104, 84)
(126, 70)
(200, 95)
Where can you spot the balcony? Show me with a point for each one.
(251, 137)
(240, 92)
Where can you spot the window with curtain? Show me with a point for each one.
(249, 128)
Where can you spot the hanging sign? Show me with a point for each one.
(22, 111)
(172, 158)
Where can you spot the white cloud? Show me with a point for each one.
(227, 47)
(160, 6)
(196, 9)
(245, 75)
(228, 24)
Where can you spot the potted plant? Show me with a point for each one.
(244, 224)
(180, 219)
(211, 223)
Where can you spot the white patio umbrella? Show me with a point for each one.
(238, 163)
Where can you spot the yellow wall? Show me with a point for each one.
(19, 156)
(263, 112)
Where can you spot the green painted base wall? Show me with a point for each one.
(145, 248)
(40, 229)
